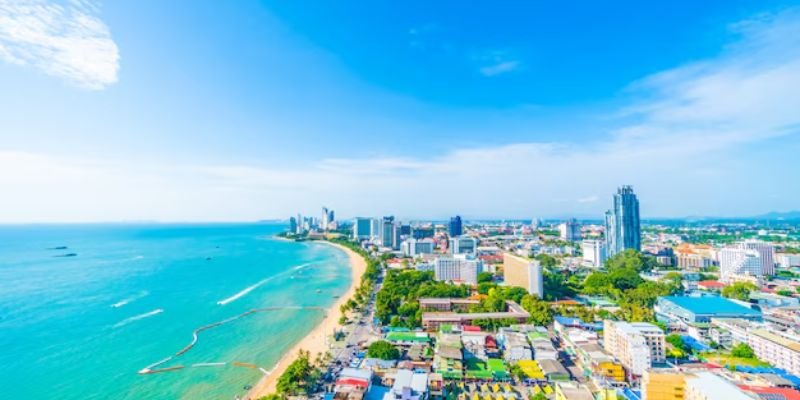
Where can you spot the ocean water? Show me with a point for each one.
(81, 327)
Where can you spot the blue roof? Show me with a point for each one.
(710, 305)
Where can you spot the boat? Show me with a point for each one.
(67, 255)
(319, 290)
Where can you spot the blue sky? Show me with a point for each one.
(244, 110)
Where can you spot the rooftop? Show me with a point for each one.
(710, 305)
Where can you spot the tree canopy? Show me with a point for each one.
(383, 350)
(739, 290)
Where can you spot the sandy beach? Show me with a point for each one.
(315, 341)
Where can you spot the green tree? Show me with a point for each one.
(541, 312)
(739, 290)
(631, 259)
(298, 377)
(383, 350)
(546, 260)
(485, 277)
(743, 350)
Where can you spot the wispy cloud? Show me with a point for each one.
(588, 199)
(65, 40)
(496, 62)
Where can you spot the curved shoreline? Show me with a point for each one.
(315, 341)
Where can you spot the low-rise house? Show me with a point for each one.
(353, 383)
(408, 385)
(572, 391)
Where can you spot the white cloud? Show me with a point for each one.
(65, 40)
(588, 199)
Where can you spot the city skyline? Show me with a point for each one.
(250, 111)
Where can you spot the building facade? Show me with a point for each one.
(766, 253)
(412, 247)
(594, 252)
(455, 227)
(636, 345)
(457, 269)
(463, 245)
(362, 228)
(524, 273)
(735, 261)
(570, 230)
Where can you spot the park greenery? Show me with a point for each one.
(621, 281)
(679, 348)
(397, 303)
(383, 350)
(739, 290)
(743, 350)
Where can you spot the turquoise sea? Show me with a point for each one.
(81, 327)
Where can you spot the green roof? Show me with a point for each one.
(408, 337)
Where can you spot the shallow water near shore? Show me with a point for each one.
(80, 327)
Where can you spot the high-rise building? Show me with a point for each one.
(331, 220)
(292, 224)
(623, 230)
(300, 224)
(594, 252)
(524, 273)
(463, 245)
(736, 261)
(412, 247)
(377, 227)
(362, 228)
(324, 221)
(765, 251)
(462, 268)
(455, 227)
(636, 345)
(389, 233)
(570, 230)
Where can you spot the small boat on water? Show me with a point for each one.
(319, 290)
(67, 255)
(58, 248)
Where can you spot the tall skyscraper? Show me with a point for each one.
(292, 224)
(623, 230)
(455, 228)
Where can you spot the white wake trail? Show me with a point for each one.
(129, 299)
(255, 286)
(127, 321)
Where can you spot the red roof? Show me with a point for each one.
(788, 394)
(711, 284)
(471, 328)
(353, 382)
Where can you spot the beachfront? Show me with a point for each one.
(316, 340)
